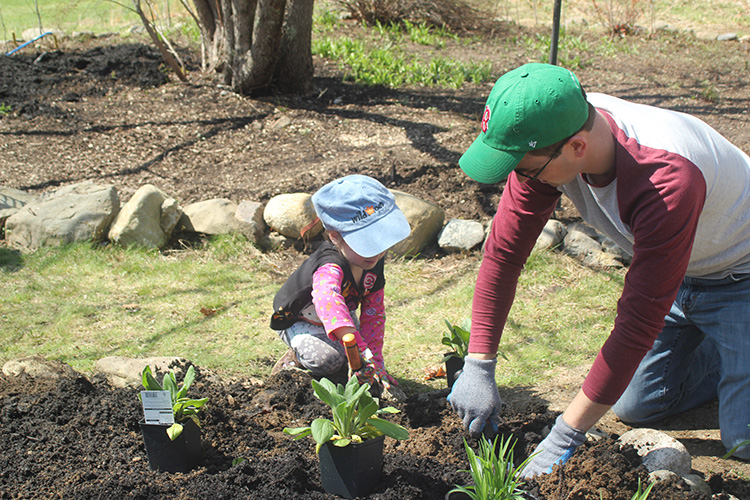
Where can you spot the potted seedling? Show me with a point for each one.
(171, 427)
(457, 339)
(495, 477)
(350, 446)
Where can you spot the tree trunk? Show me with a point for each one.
(294, 69)
(258, 44)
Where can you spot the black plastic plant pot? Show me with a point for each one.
(354, 470)
(180, 455)
(453, 365)
(457, 495)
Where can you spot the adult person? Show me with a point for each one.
(669, 190)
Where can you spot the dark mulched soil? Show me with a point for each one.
(79, 438)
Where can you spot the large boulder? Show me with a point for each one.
(552, 236)
(659, 451)
(147, 219)
(579, 244)
(38, 367)
(126, 372)
(461, 235)
(292, 214)
(250, 216)
(11, 201)
(426, 220)
(213, 217)
(79, 212)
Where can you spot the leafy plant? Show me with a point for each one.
(183, 408)
(495, 477)
(390, 65)
(733, 450)
(5, 109)
(355, 416)
(457, 339)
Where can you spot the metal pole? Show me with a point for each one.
(555, 32)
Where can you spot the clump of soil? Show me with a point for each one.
(79, 438)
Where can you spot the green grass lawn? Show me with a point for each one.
(103, 16)
(79, 15)
(212, 306)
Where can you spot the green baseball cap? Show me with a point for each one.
(530, 107)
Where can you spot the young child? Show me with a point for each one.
(317, 305)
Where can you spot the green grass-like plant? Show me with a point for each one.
(183, 407)
(641, 494)
(492, 470)
(355, 416)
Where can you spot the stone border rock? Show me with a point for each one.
(151, 218)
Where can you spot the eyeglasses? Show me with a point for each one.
(539, 172)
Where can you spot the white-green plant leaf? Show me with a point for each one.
(170, 385)
(343, 417)
(365, 412)
(298, 432)
(352, 386)
(390, 429)
(148, 380)
(195, 403)
(326, 392)
(388, 409)
(195, 419)
(174, 431)
(342, 442)
(186, 382)
(327, 384)
(322, 430)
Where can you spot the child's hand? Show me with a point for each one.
(374, 373)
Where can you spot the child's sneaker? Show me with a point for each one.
(286, 362)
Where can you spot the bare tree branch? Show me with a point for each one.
(166, 55)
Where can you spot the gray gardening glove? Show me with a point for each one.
(557, 447)
(475, 397)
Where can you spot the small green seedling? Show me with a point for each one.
(639, 494)
(355, 416)
(183, 408)
(733, 450)
(493, 473)
(457, 339)
(642, 494)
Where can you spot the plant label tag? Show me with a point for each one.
(157, 407)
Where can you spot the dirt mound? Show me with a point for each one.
(79, 438)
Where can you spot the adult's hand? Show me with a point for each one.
(557, 447)
(475, 397)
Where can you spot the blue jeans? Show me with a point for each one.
(702, 353)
